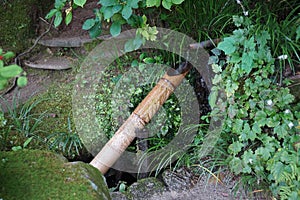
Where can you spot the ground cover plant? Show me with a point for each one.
(262, 141)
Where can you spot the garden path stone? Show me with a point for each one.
(50, 62)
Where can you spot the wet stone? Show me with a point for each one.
(178, 180)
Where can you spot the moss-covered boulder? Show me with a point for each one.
(35, 174)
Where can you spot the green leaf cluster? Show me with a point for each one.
(167, 4)
(64, 8)
(10, 71)
(116, 12)
(260, 124)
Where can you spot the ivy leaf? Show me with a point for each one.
(238, 126)
(227, 45)
(261, 118)
(235, 58)
(256, 129)
(281, 131)
(216, 68)
(236, 165)
(263, 152)
(213, 98)
(80, 2)
(235, 147)
(252, 136)
(115, 29)
(238, 20)
(88, 24)
(249, 157)
(247, 62)
(272, 122)
(277, 170)
(262, 38)
(249, 44)
(232, 110)
(239, 35)
(217, 79)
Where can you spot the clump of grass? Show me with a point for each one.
(281, 21)
(202, 19)
(68, 143)
(22, 123)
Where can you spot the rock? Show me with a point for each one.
(141, 190)
(51, 62)
(36, 174)
(118, 196)
(65, 42)
(179, 180)
(77, 41)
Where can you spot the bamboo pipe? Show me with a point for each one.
(143, 113)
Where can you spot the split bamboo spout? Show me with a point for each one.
(143, 113)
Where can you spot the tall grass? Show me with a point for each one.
(281, 21)
(202, 19)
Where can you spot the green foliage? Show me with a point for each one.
(166, 123)
(117, 12)
(24, 121)
(201, 19)
(21, 126)
(25, 144)
(281, 21)
(260, 127)
(10, 71)
(167, 4)
(68, 143)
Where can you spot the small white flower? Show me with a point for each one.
(250, 160)
(287, 111)
(269, 102)
(283, 57)
(291, 125)
(246, 13)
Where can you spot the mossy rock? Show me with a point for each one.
(19, 22)
(35, 174)
(145, 188)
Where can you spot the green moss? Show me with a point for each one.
(57, 102)
(41, 175)
(18, 22)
